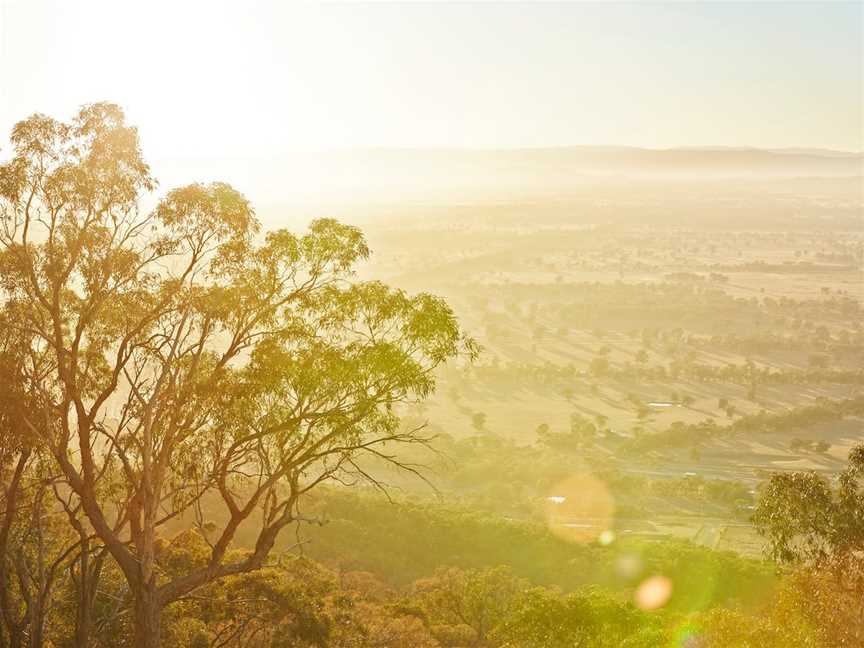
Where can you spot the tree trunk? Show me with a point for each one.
(82, 626)
(84, 610)
(148, 613)
(37, 628)
(89, 572)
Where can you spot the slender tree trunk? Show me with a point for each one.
(148, 613)
(37, 628)
(82, 626)
(85, 579)
(82, 611)
(86, 583)
(147, 608)
(86, 600)
(11, 494)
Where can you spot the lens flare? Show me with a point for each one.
(653, 593)
(580, 509)
(629, 566)
(686, 636)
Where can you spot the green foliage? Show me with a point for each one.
(806, 520)
(294, 603)
(178, 368)
(726, 628)
(542, 619)
(170, 355)
(582, 432)
(469, 603)
(682, 435)
(819, 527)
(405, 541)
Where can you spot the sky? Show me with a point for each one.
(258, 79)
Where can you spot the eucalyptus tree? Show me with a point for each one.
(179, 353)
(15, 457)
(818, 527)
(36, 546)
(808, 520)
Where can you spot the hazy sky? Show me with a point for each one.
(260, 78)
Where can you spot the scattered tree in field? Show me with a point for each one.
(599, 366)
(819, 360)
(478, 421)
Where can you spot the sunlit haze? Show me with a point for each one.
(431, 325)
(252, 79)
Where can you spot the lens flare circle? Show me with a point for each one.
(580, 509)
(653, 593)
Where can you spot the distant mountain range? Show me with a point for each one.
(442, 175)
(604, 160)
(780, 151)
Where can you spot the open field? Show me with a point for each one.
(641, 329)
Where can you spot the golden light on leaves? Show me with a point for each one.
(580, 509)
(653, 593)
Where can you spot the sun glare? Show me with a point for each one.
(431, 324)
(213, 79)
